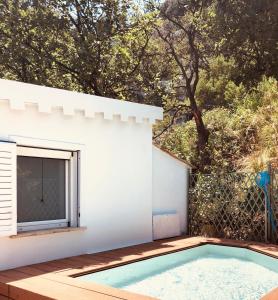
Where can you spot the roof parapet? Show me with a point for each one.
(20, 95)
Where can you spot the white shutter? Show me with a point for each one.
(8, 214)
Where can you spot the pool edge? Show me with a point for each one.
(36, 279)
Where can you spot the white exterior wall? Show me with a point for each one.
(115, 176)
(170, 186)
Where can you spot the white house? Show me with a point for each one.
(79, 174)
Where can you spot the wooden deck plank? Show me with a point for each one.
(34, 287)
(30, 270)
(72, 261)
(54, 265)
(13, 275)
(4, 289)
(84, 265)
(86, 260)
(26, 292)
(58, 265)
(272, 295)
(95, 287)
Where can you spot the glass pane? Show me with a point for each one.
(40, 189)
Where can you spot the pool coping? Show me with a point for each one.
(57, 279)
(202, 243)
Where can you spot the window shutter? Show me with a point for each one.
(8, 219)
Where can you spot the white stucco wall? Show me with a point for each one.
(115, 179)
(170, 186)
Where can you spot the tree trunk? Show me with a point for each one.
(202, 136)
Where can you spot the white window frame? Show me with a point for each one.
(71, 201)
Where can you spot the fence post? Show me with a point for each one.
(267, 220)
(187, 204)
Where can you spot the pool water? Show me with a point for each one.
(205, 272)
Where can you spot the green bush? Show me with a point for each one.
(243, 136)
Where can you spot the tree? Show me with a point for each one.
(93, 46)
(180, 26)
(248, 32)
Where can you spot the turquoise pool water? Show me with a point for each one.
(207, 272)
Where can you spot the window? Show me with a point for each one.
(46, 188)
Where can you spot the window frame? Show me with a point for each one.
(71, 168)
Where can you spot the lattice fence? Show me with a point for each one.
(228, 206)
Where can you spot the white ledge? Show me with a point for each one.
(46, 231)
(20, 95)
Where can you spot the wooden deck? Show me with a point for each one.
(54, 279)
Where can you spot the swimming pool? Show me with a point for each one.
(204, 272)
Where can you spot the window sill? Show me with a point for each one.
(46, 231)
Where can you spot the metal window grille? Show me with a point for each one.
(41, 189)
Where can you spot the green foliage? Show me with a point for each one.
(248, 32)
(234, 94)
(216, 87)
(227, 142)
(245, 137)
(263, 101)
(227, 205)
(90, 46)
